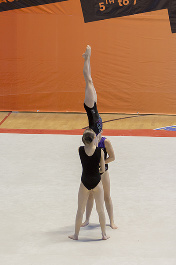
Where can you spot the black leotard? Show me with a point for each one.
(90, 164)
(95, 121)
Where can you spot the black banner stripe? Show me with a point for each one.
(95, 10)
(6, 5)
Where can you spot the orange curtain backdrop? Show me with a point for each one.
(133, 60)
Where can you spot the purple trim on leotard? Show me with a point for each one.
(101, 142)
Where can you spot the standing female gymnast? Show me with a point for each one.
(106, 145)
(90, 156)
(95, 123)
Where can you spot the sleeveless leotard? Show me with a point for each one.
(95, 121)
(101, 144)
(90, 165)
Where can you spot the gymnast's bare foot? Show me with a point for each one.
(113, 226)
(105, 237)
(85, 223)
(87, 52)
(74, 237)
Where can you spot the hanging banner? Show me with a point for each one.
(6, 5)
(94, 10)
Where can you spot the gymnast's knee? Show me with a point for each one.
(88, 80)
(100, 209)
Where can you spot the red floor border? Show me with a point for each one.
(107, 132)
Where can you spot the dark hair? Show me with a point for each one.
(88, 136)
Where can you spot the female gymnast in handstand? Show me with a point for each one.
(90, 156)
(95, 123)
